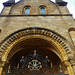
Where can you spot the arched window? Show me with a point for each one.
(42, 9)
(27, 10)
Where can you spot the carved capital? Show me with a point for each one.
(67, 64)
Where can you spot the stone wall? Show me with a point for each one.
(57, 19)
(59, 24)
(51, 8)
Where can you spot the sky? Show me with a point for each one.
(70, 6)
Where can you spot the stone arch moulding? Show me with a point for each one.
(49, 35)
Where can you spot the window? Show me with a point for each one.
(42, 10)
(27, 10)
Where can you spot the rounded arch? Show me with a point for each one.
(42, 8)
(57, 40)
(25, 7)
(48, 42)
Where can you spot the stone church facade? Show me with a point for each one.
(37, 37)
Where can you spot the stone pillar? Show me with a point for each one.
(1, 68)
(74, 68)
(69, 68)
(73, 65)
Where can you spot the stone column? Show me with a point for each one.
(74, 68)
(1, 68)
(73, 65)
(69, 68)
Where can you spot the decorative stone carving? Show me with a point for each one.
(43, 33)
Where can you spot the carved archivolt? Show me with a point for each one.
(57, 39)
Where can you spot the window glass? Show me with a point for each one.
(42, 10)
(27, 11)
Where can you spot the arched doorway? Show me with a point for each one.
(44, 42)
(34, 56)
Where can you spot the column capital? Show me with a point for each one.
(2, 63)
